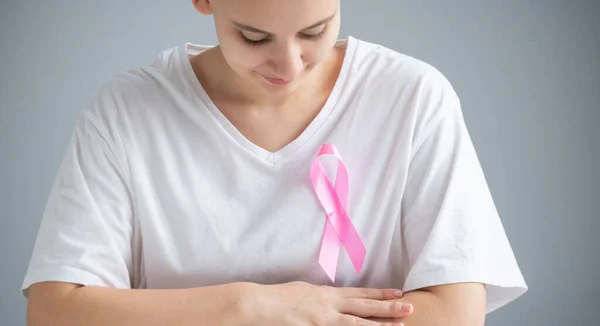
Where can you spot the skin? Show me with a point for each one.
(236, 304)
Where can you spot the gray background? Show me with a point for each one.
(527, 72)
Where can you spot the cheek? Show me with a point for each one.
(248, 60)
(318, 53)
(315, 56)
(242, 57)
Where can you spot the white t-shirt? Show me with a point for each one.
(159, 190)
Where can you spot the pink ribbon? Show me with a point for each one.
(339, 229)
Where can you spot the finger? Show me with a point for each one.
(367, 293)
(375, 308)
(350, 320)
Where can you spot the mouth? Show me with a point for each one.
(276, 81)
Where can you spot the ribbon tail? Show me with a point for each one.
(330, 251)
(356, 251)
(350, 239)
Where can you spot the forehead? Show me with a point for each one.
(276, 13)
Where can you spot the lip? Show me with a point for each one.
(276, 81)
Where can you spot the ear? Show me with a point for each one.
(203, 6)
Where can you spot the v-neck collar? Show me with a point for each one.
(272, 158)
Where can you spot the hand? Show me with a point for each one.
(304, 304)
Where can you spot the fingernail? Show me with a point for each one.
(398, 293)
(406, 307)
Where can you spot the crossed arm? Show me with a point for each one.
(461, 304)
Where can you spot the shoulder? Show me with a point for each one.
(141, 82)
(139, 90)
(129, 103)
(400, 86)
(382, 67)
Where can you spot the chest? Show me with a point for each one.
(213, 209)
(204, 223)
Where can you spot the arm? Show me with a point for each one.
(461, 304)
(453, 244)
(56, 303)
(236, 304)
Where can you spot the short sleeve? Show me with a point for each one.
(451, 230)
(86, 228)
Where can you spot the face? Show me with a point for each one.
(275, 44)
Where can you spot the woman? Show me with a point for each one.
(192, 192)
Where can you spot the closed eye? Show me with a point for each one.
(312, 33)
(254, 42)
(315, 35)
(266, 39)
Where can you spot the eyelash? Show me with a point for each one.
(268, 39)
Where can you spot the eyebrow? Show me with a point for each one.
(260, 31)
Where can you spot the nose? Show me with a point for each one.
(287, 61)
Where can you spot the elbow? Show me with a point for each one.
(40, 313)
(36, 315)
(461, 304)
(45, 303)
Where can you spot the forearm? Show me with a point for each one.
(432, 308)
(95, 306)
